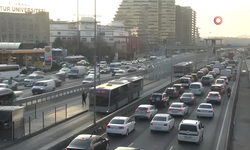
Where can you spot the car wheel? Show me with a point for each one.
(107, 146)
(198, 143)
(127, 132)
(198, 117)
(168, 129)
(179, 141)
(151, 131)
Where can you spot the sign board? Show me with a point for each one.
(16, 9)
(47, 57)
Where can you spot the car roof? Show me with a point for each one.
(213, 92)
(85, 136)
(185, 78)
(223, 76)
(206, 104)
(177, 103)
(157, 94)
(196, 83)
(216, 85)
(190, 122)
(188, 93)
(120, 117)
(170, 88)
(220, 79)
(145, 105)
(162, 115)
(177, 85)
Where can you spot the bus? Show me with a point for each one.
(8, 71)
(114, 65)
(7, 97)
(115, 94)
(183, 68)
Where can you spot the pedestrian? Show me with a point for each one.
(84, 96)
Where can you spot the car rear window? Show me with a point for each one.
(157, 97)
(216, 88)
(176, 106)
(220, 81)
(213, 95)
(185, 127)
(143, 108)
(205, 106)
(184, 80)
(194, 86)
(177, 86)
(205, 78)
(160, 119)
(80, 143)
(117, 121)
(186, 95)
(170, 90)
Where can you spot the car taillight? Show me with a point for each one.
(210, 89)
(163, 100)
(181, 109)
(219, 96)
(174, 92)
(136, 110)
(121, 127)
(165, 124)
(151, 124)
(210, 111)
(150, 98)
(170, 109)
(107, 127)
(147, 111)
(66, 149)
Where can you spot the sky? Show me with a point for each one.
(235, 13)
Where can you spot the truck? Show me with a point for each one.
(231, 55)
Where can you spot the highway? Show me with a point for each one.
(75, 102)
(66, 129)
(144, 139)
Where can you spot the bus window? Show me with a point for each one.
(114, 94)
(124, 88)
(137, 83)
(6, 97)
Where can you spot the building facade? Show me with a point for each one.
(24, 27)
(185, 25)
(153, 20)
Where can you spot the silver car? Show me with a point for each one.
(145, 111)
(213, 97)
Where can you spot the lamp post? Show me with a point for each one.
(94, 60)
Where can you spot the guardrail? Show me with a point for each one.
(70, 90)
(101, 124)
(232, 106)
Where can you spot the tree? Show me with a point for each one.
(58, 43)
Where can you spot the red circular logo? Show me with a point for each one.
(216, 22)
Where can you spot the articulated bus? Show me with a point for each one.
(7, 97)
(115, 94)
(183, 68)
(8, 71)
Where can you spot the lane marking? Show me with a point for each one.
(171, 148)
(130, 144)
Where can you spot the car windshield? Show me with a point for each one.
(117, 121)
(205, 106)
(176, 106)
(160, 118)
(31, 77)
(73, 71)
(194, 86)
(88, 79)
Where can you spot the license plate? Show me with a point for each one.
(157, 128)
(187, 137)
(204, 111)
(175, 111)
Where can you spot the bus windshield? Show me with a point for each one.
(178, 69)
(102, 97)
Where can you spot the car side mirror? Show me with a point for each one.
(202, 126)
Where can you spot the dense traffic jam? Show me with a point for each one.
(216, 75)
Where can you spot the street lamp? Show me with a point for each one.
(94, 60)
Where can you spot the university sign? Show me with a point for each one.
(20, 9)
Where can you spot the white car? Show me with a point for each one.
(221, 82)
(177, 108)
(205, 110)
(88, 79)
(213, 97)
(120, 73)
(145, 111)
(39, 73)
(20, 78)
(162, 122)
(120, 125)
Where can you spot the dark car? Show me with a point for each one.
(209, 67)
(180, 88)
(218, 88)
(132, 69)
(60, 75)
(172, 92)
(159, 99)
(88, 142)
(206, 80)
(195, 76)
(104, 71)
(127, 148)
(188, 98)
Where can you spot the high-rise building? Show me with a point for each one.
(185, 25)
(24, 27)
(154, 20)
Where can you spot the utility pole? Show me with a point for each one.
(95, 67)
(78, 29)
(99, 53)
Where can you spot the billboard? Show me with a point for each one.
(47, 57)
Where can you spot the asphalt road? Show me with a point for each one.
(144, 139)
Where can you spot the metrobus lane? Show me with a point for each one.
(144, 139)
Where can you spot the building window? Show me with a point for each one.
(31, 36)
(59, 33)
(4, 36)
(17, 35)
(10, 35)
(3, 29)
(111, 39)
(63, 38)
(17, 30)
(84, 39)
(92, 40)
(69, 38)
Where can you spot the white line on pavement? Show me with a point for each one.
(130, 144)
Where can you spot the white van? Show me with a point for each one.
(32, 79)
(227, 73)
(43, 86)
(190, 131)
(77, 71)
(185, 81)
(196, 88)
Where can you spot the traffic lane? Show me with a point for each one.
(66, 129)
(149, 141)
(211, 130)
(68, 83)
